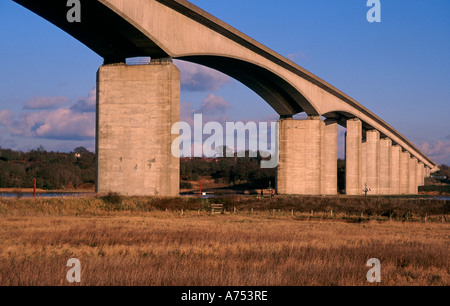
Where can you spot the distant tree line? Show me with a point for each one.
(56, 170)
(444, 172)
(228, 170)
(52, 170)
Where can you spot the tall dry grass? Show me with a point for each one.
(136, 244)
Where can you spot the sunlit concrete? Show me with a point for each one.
(136, 108)
(373, 160)
(301, 147)
(395, 169)
(385, 167)
(353, 168)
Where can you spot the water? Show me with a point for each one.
(442, 198)
(81, 194)
(45, 195)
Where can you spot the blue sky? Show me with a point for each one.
(399, 69)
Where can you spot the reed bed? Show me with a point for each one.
(135, 242)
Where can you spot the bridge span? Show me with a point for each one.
(137, 105)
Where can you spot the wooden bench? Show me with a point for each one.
(216, 208)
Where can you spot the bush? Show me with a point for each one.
(112, 198)
(185, 185)
(438, 188)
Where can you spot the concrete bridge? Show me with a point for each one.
(137, 105)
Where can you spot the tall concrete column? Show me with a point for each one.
(136, 108)
(404, 172)
(427, 172)
(300, 166)
(364, 163)
(353, 169)
(419, 174)
(385, 167)
(373, 160)
(424, 174)
(330, 186)
(395, 169)
(413, 186)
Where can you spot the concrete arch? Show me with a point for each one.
(284, 98)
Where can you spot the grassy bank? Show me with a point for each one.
(358, 208)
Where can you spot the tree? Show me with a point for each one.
(80, 150)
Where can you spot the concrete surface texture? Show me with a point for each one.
(404, 177)
(308, 157)
(373, 160)
(136, 108)
(301, 147)
(353, 157)
(385, 167)
(395, 169)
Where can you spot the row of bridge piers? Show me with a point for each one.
(137, 106)
(308, 160)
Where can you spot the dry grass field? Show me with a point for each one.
(133, 242)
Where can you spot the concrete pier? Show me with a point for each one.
(373, 160)
(420, 174)
(300, 167)
(395, 169)
(330, 186)
(136, 108)
(364, 163)
(404, 172)
(385, 166)
(413, 186)
(353, 144)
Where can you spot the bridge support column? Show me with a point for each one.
(419, 174)
(136, 108)
(364, 163)
(373, 160)
(404, 172)
(423, 174)
(396, 151)
(353, 169)
(385, 167)
(413, 186)
(330, 159)
(301, 147)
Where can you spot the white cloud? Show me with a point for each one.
(45, 120)
(88, 104)
(6, 117)
(62, 124)
(438, 151)
(297, 56)
(200, 78)
(213, 105)
(38, 102)
(213, 108)
(66, 124)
